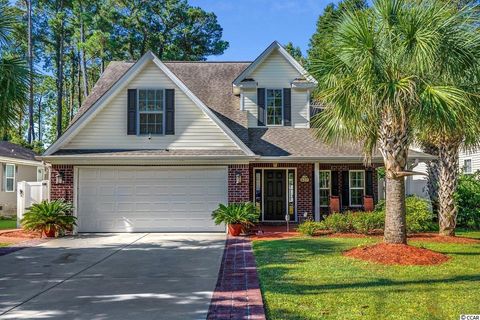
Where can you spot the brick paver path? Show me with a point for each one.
(237, 295)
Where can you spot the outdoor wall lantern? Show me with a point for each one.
(60, 178)
(238, 178)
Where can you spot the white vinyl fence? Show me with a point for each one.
(29, 193)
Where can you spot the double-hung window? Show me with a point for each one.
(274, 107)
(324, 186)
(467, 166)
(151, 106)
(9, 178)
(357, 187)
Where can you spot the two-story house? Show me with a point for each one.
(158, 145)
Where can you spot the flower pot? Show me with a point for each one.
(235, 229)
(49, 233)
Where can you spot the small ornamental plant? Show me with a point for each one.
(236, 216)
(49, 217)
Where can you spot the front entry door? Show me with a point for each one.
(275, 195)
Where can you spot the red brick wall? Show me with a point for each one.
(238, 192)
(304, 189)
(65, 189)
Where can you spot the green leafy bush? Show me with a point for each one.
(467, 197)
(419, 214)
(236, 213)
(367, 222)
(338, 222)
(309, 228)
(48, 215)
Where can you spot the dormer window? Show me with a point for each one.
(274, 107)
(151, 106)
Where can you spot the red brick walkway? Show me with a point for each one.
(237, 295)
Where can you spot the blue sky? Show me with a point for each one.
(251, 25)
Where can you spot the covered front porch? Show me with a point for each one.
(304, 191)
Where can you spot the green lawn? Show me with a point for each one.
(469, 234)
(8, 224)
(308, 278)
(4, 244)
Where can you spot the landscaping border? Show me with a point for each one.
(237, 294)
(21, 245)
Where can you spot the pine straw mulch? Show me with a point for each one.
(18, 235)
(400, 254)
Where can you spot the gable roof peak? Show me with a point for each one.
(275, 45)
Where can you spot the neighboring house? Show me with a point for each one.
(469, 161)
(17, 164)
(158, 145)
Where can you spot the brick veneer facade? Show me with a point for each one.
(61, 190)
(238, 192)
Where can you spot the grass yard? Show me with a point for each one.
(8, 224)
(308, 278)
(468, 233)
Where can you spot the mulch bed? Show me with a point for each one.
(433, 237)
(401, 254)
(19, 239)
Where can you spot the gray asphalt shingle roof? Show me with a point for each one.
(11, 150)
(211, 82)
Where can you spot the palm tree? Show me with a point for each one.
(377, 74)
(14, 75)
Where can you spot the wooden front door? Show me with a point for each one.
(275, 200)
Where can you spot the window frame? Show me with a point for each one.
(329, 188)
(40, 174)
(350, 188)
(150, 112)
(5, 177)
(266, 108)
(465, 167)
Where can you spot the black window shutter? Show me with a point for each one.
(261, 106)
(369, 183)
(335, 183)
(132, 112)
(345, 189)
(170, 111)
(287, 107)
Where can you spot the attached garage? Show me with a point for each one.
(149, 199)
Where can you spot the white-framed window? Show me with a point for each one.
(9, 178)
(467, 166)
(357, 187)
(325, 184)
(151, 106)
(274, 107)
(40, 174)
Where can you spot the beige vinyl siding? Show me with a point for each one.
(8, 200)
(277, 72)
(474, 156)
(193, 129)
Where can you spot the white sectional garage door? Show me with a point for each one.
(149, 199)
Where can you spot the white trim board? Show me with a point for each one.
(120, 85)
(258, 61)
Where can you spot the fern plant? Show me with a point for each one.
(236, 213)
(48, 216)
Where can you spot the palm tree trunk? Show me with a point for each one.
(394, 144)
(395, 220)
(448, 157)
(433, 171)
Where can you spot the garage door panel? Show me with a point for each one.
(141, 199)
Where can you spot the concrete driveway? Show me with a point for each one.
(112, 276)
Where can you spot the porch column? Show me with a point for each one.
(316, 191)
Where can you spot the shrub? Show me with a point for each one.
(49, 216)
(309, 228)
(236, 213)
(338, 222)
(419, 214)
(367, 222)
(467, 198)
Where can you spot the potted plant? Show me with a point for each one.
(236, 216)
(49, 217)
